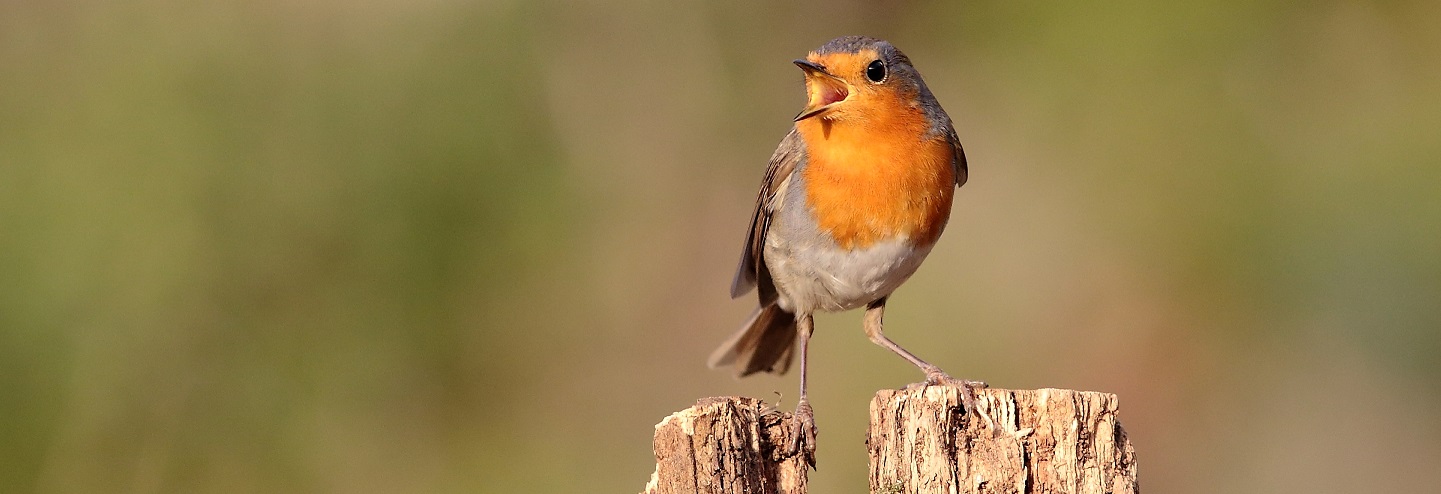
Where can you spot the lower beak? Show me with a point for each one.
(822, 89)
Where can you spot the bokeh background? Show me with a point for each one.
(449, 246)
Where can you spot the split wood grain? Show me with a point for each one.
(725, 445)
(1019, 441)
(920, 441)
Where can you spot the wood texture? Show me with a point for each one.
(1032, 441)
(920, 441)
(725, 445)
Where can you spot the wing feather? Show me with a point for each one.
(752, 272)
(962, 171)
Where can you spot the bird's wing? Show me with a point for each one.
(959, 162)
(752, 271)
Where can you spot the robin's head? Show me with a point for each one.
(861, 77)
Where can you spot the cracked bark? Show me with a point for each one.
(725, 445)
(920, 441)
(1026, 441)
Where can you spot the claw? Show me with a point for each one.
(803, 433)
(936, 377)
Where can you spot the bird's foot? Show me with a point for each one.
(803, 433)
(936, 377)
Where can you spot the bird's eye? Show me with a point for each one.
(876, 71)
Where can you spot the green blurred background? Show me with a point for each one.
(443, 246)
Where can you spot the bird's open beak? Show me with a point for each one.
(822, 89)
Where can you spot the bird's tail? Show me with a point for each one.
(763, 344)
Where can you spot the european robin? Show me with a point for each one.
(854, 198)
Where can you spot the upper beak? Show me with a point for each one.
(822, 89)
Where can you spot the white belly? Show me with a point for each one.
(812, 278)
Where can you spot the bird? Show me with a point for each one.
(853, 199)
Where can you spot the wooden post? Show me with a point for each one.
(1047, 440)
(920, 441)
(725, 445)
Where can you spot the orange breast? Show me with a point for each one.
(873, 179)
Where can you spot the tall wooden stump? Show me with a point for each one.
(1048, 440)
(920, 440)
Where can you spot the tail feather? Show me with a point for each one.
(763, 344)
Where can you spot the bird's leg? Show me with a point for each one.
(934, 375)
(803, 422)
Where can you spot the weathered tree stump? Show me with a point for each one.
(725, 445)
(920, 440)
(1047, 440)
